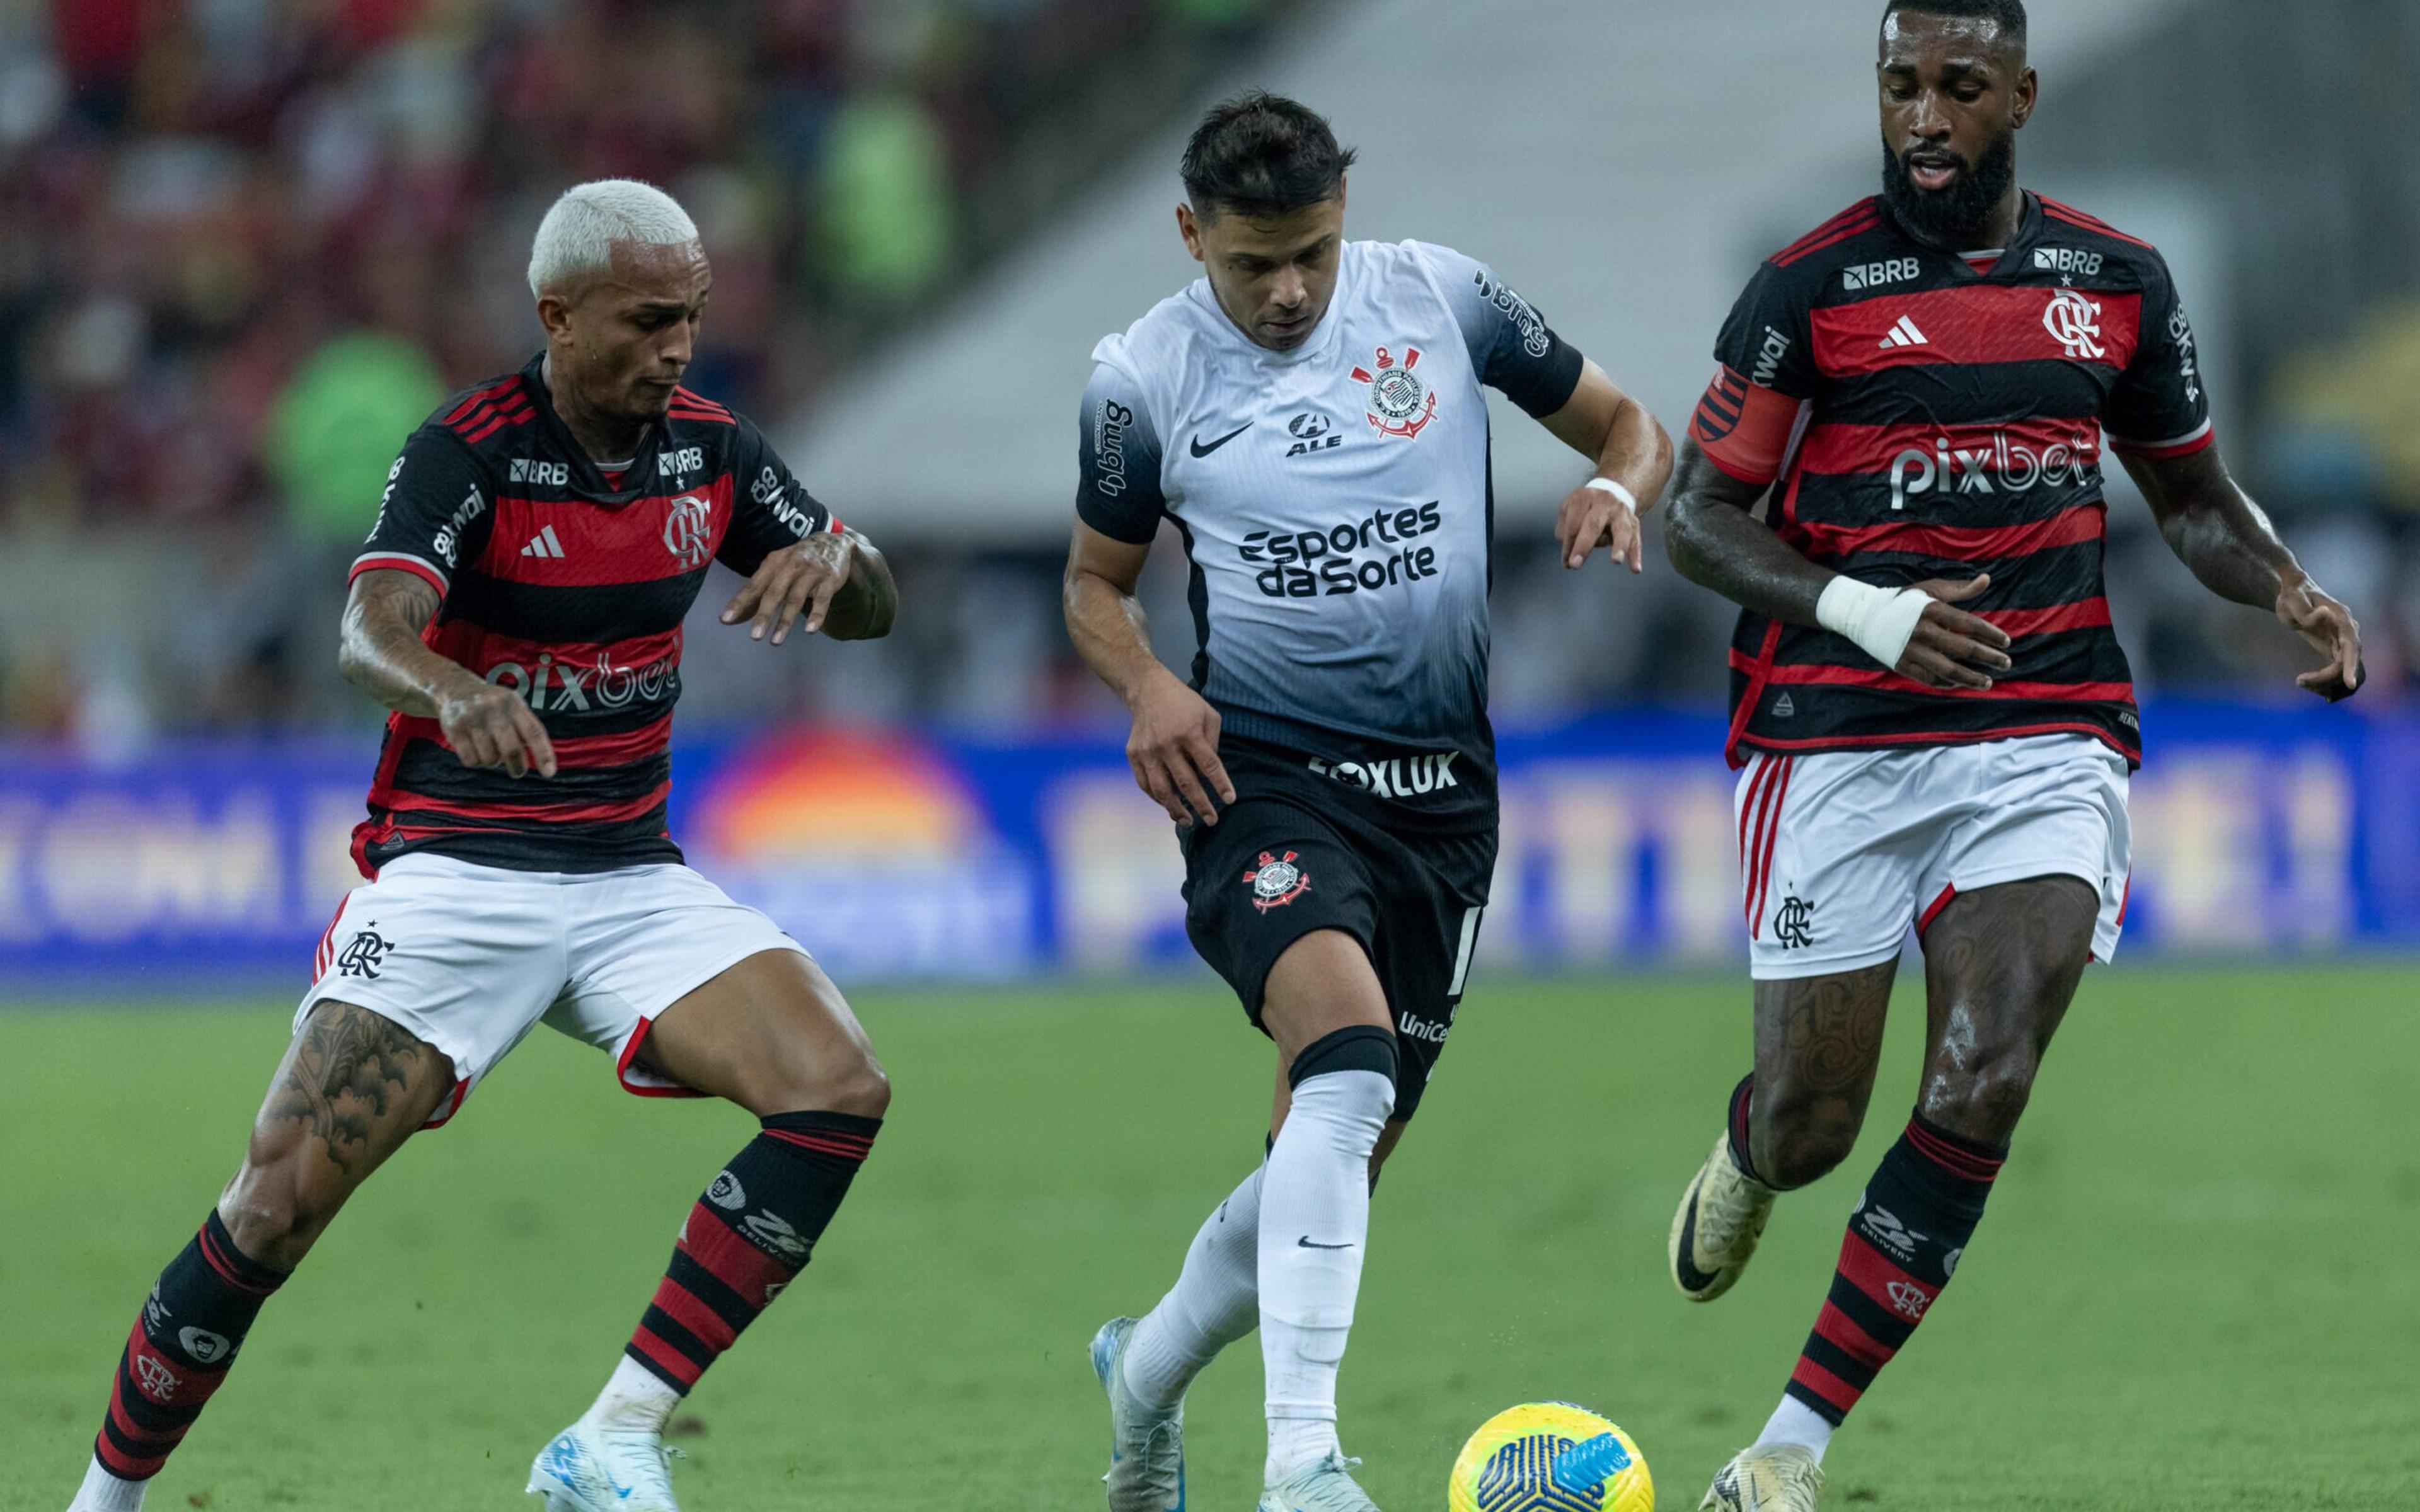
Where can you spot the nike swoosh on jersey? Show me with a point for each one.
(1306, 1242)
(1200, 450)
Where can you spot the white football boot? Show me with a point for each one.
(1722, 1216)
(1146, 1448)
(1776, 1477)
(589, 1469)
(1324, 1486)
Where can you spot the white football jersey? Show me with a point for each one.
(1334, 499)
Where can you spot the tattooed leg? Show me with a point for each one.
(1818, 1041)
(2000, 966)
(353, 1087)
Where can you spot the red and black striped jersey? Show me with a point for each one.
(1929, 414)
(568, 584)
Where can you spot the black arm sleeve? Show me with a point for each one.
(770, 508)
(2159, 407)
(1117, 461)
(1511, 344)
(436, 513)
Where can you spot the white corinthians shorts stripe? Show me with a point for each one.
(1840, 852)
(471, 958)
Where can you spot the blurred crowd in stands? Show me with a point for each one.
(246, 244)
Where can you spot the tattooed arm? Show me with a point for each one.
(2215, 529)
(384, 653)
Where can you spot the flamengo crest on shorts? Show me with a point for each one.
(1277, 881)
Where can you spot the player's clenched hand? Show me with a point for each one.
(1174, 750)
(489, 726)
(2330, 630)
(1952, 648)
(1592, 518)
(802, 576)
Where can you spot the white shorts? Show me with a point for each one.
(1842, 851)
(469, 958)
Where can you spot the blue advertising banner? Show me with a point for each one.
(917, 855)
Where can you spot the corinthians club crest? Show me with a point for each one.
(1275, 881)
(1400, 404)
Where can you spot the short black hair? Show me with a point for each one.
(2010, 14)
(1260, 155)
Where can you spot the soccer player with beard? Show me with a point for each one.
(1935, 723)
(518, 607)
(1311, 416)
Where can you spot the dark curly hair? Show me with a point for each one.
(1260, 155)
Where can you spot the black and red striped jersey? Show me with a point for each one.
(1933, 414)
(567, 583)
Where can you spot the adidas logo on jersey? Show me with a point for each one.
(1905, 335)
(543, 545)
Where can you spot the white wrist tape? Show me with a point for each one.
(1614, 487)
(1881, 621)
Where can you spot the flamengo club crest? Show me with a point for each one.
(1399, 404)
(1275, 881)
(2074, 322)
(688, 530)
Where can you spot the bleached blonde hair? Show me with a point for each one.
(576, 239)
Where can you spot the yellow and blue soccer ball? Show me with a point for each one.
(1550, 1457)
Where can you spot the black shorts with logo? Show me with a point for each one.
(1298, 852)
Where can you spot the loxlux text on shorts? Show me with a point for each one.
(1418, 776)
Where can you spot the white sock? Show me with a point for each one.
(104, 1492)
(1314, 1224)
(1215, 1301)
(1794, 1422)
(635, 1399)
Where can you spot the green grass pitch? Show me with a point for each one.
(2197, 1288)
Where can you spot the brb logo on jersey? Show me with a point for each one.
(1400, 404)
(688, 530)
(2074, 322)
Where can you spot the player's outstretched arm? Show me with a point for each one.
(836, 579)
(1631, 450)
(1173, 746)
(380, 652)
(2217, 530)
(1717, 542)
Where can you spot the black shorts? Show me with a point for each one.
(1298, 852)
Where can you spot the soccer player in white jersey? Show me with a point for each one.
(1310, 415)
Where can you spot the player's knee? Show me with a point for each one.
(850, 1081)
(1794, 1146)
(276, 1213)
(1983, 1098)
(863, 1088)
(1355, 1048)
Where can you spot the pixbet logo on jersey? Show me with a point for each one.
(1314, 563)
(562, 687)
(1998, 465)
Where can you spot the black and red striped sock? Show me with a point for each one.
(746, 1239)
(1904, 1244)
(179, 1352)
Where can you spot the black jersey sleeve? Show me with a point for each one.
(1117, 460)
(770, 508)
(1765, 375)
(1511, 344)
(2159, 407)
(436, 513)
(1768, 339)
